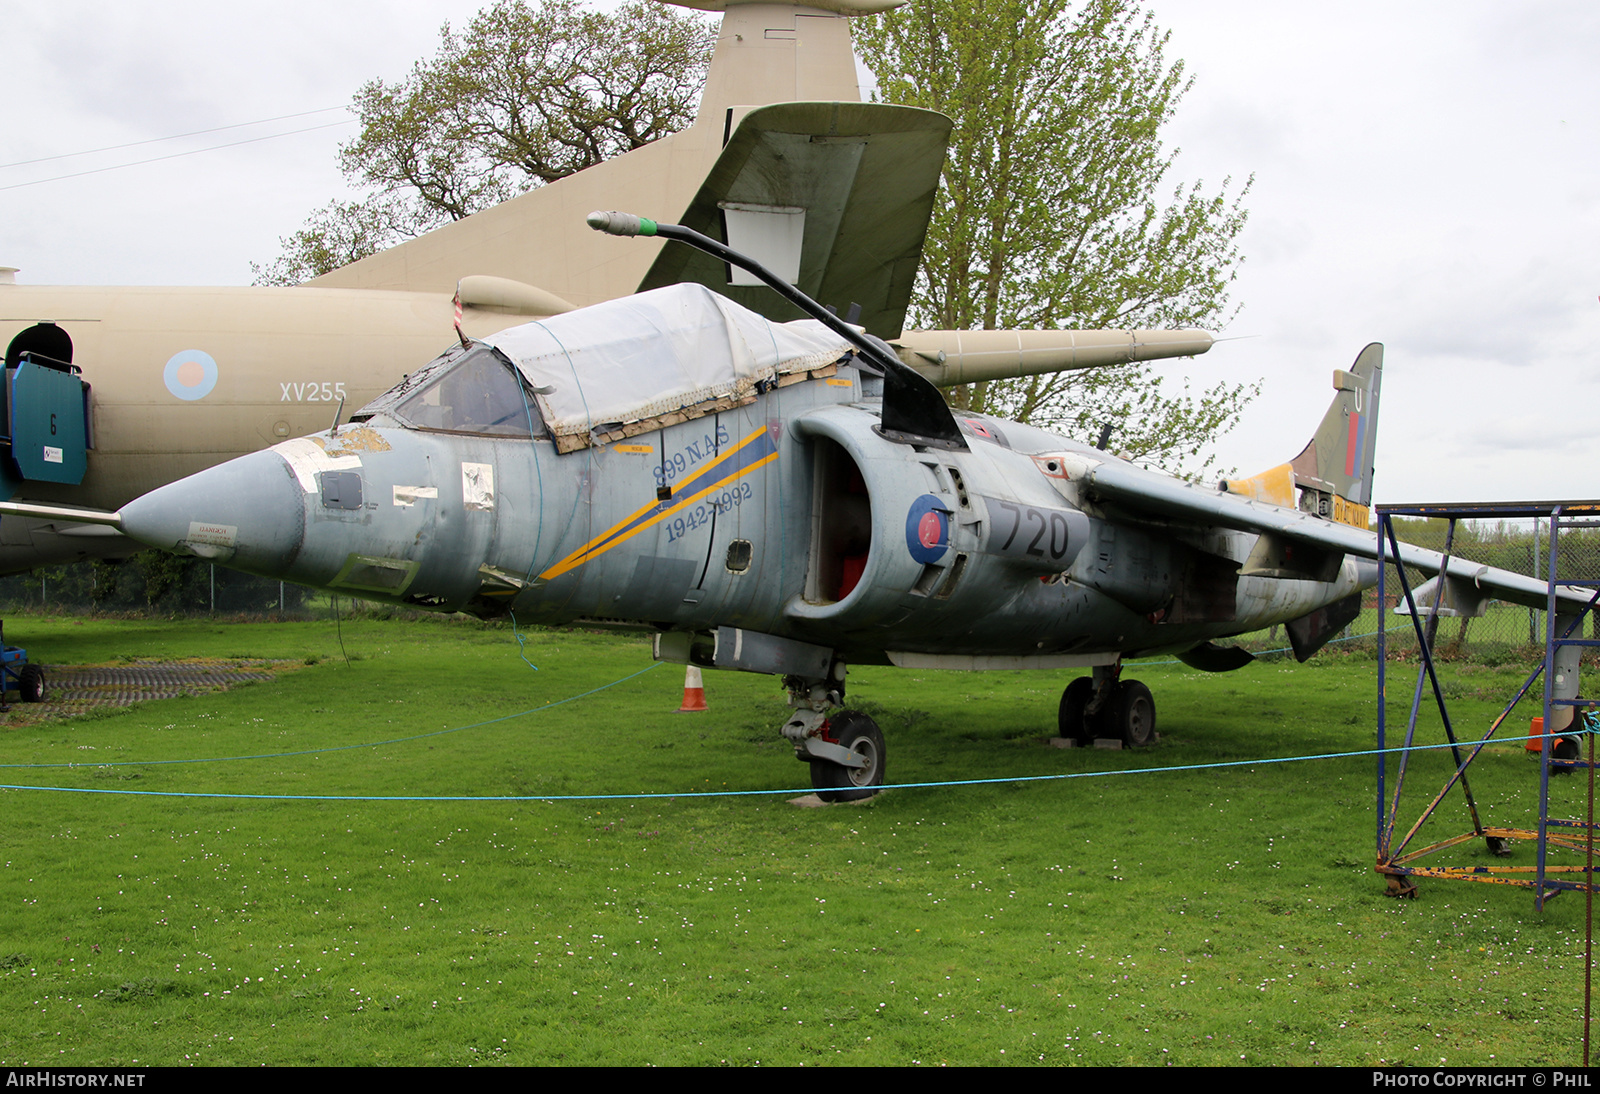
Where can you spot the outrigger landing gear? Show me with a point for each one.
(844, 748)
(1107, 706)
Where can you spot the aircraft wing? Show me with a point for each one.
(1142, 494)
(833, 197)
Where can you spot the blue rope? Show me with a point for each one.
(522, 642)
(736, 793)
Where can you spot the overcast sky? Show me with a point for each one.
(1426, 175)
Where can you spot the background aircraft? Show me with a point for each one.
(112, 392)
(792, 498)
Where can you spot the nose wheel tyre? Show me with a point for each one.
(859, 734)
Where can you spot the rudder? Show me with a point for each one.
(1332, 475)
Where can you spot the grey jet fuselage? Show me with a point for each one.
(789, 498)
(789, 516)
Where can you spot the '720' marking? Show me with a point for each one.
(1034, 533)
(312, 392)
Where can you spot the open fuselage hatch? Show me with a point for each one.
(46, 414)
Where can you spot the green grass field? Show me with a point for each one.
(1221, 916)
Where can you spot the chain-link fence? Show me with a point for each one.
(155, 582)
(1505, 630)
(1521, 546)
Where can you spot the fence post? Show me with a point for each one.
(1536, 626)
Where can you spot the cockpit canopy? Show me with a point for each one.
(616, 368)
(467, 390)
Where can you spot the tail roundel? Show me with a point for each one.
(1332, 476)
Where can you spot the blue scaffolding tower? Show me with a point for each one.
(1568, 720)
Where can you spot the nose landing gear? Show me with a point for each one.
(845, 748)
(858, 735)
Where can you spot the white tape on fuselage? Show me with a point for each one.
(477, 486)
(306, 457)
(408, 495)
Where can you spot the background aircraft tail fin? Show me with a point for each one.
(1332, 476)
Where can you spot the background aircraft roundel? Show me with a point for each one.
(190, 374)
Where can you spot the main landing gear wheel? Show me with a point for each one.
(1072, 719)
(1128, 715)
(1133, 714)
(858, 733)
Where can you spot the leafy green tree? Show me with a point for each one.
(527, 95)
(1055, 210)
(338, 234)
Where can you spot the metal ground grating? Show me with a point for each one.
(74, 689)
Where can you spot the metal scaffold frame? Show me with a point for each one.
(1568, 719)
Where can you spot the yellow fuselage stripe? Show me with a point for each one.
(621, 532)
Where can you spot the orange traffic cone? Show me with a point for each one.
(694, 692)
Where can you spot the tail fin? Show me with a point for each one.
(1332, 476)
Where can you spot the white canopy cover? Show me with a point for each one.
(656, 353)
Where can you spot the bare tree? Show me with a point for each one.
(527, 95)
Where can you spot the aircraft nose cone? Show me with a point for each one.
(248, 513)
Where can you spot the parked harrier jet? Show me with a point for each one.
(790, 498)
(111, 392)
